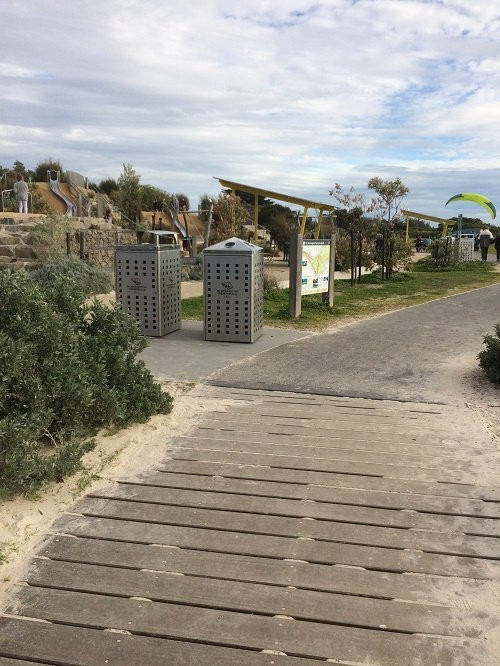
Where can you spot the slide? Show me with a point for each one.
(70, 205)
(176, 223)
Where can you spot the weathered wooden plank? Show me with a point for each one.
(322, 578)
(424, 450)
(359, 497)
(324, 449)
(355, 427)
(299, 508)
(262, 395)
(259, 599)
(81, 646)
(333, 412)
(8, 661)
(314, 431)
(332, 479)
(231, 629)
(324, 465)
(310, 418)
(348, 544)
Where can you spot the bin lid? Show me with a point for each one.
(234, 245)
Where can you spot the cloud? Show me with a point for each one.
(292, 96)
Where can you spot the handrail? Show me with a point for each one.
(30, 199)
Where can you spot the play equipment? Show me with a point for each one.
(54, 186)
(421, 216)
(298, 201)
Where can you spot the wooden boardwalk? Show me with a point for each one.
(284, 530)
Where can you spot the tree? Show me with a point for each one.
(129, 188)
(229, 215)
(107, 186)
(278, 220)
(49, 164)
(19, 167)
(151, 196)
(390, 195)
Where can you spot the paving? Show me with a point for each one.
(289, 526)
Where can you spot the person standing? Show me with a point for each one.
(497, 245)
(485, 238)
(21, 192)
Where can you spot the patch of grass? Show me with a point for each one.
(3, 558)
(371, 297)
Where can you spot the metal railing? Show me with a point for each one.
(30, 201)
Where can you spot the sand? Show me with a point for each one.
(25, 522)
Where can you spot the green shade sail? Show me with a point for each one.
(477, 198)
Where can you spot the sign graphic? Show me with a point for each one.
(315, 266)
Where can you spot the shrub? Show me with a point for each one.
(270, 283)
(67, 370)
(489, 358)
(90, 278)
(193, 271)
(49, 238)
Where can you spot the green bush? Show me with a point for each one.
(49, 238)
(68, 369)
(489, 358)
(193, 271)
(90, 278)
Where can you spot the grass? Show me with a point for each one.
(371, 297)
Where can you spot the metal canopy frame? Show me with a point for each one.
(431, 218)
(298, 201)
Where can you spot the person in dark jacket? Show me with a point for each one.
(497, 245)
(485, 239)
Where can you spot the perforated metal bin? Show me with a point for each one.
(233, 291)
(148, 286)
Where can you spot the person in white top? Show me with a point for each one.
(485, 238)
(21, 192)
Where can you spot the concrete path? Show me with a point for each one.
(415, 354)
(184, 355)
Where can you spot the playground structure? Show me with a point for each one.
(407, 214)
(298, 201)
(54, 178)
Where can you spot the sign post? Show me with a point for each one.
(295, 279)
(312, 269)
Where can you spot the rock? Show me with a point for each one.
(8, 239)
(27, 226)
(25, 252)
(5, 259)
(6, 251)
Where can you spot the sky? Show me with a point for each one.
(287, 95)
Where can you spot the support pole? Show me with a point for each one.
(360, 256)
(68, 243)
(295, 279)
(209, 223)
(81, 239)
(331, 270)
(303, 223)
(353, 259)
(318, 226)
(256, 219)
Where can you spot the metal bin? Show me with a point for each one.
(233, 291)
(148, 286)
